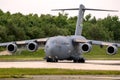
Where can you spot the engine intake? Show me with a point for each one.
(86, 47)
(12, 48)
(32, 46)
(111, 50)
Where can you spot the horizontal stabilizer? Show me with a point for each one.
(100, 10)
(65, 9)
(85, 9)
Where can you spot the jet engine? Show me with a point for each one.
(86, 47)
(111, 50)
(32, 46)
(12, 48)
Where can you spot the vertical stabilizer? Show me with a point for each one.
(79, 24)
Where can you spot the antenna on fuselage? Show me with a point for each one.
(81, 9)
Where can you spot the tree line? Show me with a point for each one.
(14, 27)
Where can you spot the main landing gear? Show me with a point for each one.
(79, 60)
(51, 59)
(55, 59)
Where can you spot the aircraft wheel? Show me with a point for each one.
(75, 61)
(49, 60)
(81, 60)
(55, 59)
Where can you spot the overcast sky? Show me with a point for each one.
(45, 6)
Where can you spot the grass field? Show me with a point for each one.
(98, 53)
(24, 55)
(21, 73)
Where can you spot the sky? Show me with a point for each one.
(44, 6)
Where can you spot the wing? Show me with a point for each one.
(31, 45)
(87, 45)
(95, 42)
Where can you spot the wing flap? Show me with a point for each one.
(42, 40)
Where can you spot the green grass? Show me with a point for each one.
(24, 72)
(2, 48)
(24, 55)
(98, 53)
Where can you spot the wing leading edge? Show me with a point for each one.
(24, 42)
(95, 42)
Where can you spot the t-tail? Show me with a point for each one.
(81, 9)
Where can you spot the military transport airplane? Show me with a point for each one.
(65, 47)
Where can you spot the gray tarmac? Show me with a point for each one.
(67, 77)
(89, 65)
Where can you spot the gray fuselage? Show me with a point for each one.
(63, 47)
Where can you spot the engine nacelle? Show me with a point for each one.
(32, 46)
(12, 48)
(86, 47)
(111, 50)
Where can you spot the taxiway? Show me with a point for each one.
(89, 65)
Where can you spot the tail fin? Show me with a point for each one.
(81, 9)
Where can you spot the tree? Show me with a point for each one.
(35, 32)
(3, 33)
(20, 27)
(100, 33)
(87, 17)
